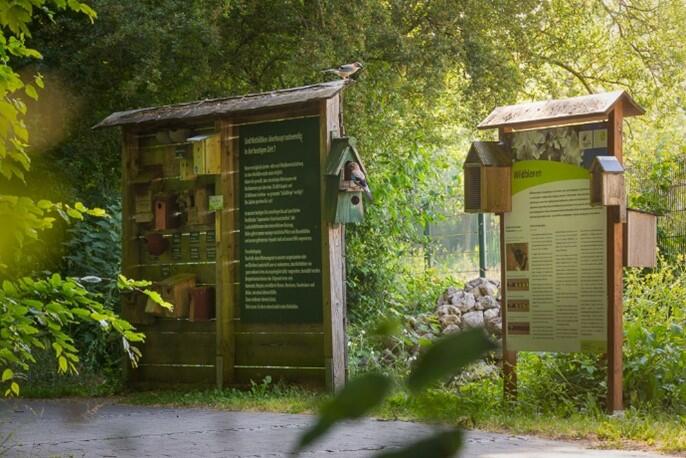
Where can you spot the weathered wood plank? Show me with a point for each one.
(205, 273)
(312, 377)
(179, 325)
(178, 348)
(332, 259)
(272, 349)
(156, 375)
(227, 252)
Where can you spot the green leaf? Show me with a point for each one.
(441, 445)
(356, 399)
(31, 91)
(6, 375)
(447, 357)
(62, 362)
(74, 213)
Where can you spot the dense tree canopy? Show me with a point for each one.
(434, 69)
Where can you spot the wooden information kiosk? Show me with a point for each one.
(225, 209)
(565, 231)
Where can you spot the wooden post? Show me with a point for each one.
(615, 329)
(509, 357)
(130, 254)
(227, 254)
(332, 261)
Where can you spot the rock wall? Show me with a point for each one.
(476, 305)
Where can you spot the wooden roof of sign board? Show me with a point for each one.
(586, 108)
(225, 106)
(488, 154)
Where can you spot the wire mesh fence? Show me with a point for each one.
(667, 197)
(453, 245)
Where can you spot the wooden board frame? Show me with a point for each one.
(615, 251)
(312, 354)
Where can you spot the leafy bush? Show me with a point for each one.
(655, 343)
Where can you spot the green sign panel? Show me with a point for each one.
(280, 217)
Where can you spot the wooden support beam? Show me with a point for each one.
(227, 253)
(509, 357)
(333, 281)
(615, 330)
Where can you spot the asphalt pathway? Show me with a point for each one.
(103, 428)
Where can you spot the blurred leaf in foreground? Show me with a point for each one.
(447, 357)
(441, 445)
(355, 400)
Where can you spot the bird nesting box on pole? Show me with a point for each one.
(563, 239)
(232, 193)
(344, 194)
(487, 178)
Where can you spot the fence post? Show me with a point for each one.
(482, 245)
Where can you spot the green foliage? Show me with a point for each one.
(37, 313)
(447, 356)
(34, 315)
(655, 360)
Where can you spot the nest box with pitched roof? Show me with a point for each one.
(607, 182)
(344, 197)
(487, 178)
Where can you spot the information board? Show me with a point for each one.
(556, 255)
(280, 222)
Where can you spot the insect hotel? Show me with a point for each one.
(555, 177)
(235, 209)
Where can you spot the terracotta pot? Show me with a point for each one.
(157, 244)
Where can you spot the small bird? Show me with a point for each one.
(357, 177)
(345, 71)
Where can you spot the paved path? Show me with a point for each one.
(100, 428)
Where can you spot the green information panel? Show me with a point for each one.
(280, 217)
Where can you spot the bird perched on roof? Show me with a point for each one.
(345, 71)
(357, 176)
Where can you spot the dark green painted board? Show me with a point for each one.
(280, 222)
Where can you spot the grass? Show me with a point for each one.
(637, 429)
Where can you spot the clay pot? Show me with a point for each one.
(157, 244)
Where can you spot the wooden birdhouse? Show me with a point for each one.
(488, 178)
(206, 154)
(175, 290)
(166, 216)
(344, 196)
(640, 239)
(607, 182)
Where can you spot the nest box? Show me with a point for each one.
(640, 239)
(344, 197)
(488, 178)
(176, 290)
(206, 154)
(607, 182)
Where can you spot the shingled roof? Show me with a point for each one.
(225, 106)
(488, 154)
(562, 111)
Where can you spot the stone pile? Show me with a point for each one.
(476, 305)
